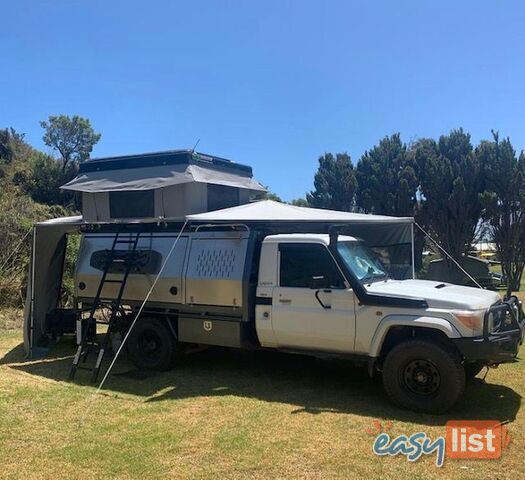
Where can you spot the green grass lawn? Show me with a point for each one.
(228, 414)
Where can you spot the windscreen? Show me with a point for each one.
(362, 261)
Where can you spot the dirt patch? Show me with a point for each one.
(11, 318)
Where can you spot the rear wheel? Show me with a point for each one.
(151, 344)
(423, 376)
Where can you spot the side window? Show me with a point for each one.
(132, 204)
(222, 196)
(144, 261)
(302, 261)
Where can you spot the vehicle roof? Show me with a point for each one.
(306, 238)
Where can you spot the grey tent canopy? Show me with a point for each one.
(158, 170)
(167, 184)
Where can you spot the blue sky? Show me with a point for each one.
(273, 84)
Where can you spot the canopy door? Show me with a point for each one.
(45, 278)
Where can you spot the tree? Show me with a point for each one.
(503, 202)
(11, 143)
(269, 196)
(387, 179)
(73, 137)
(44, 179)
(334, 183)
(299, 202)
(450, 183)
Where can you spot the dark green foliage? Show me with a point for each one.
(44, 179)
(335, 183)
(11, 143)
(72, 137)
(503, 202)
(388, 185)
(17, 214)
(299, 202)
(450, 182)
(270, 196)
(22, 176)
(387, 179)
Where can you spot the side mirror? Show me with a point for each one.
(318, 283)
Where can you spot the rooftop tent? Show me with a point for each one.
(45, 276)
(153, 177)
(165, 184)
(390, 237)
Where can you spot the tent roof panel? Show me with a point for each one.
(150, 178)
(170, 157)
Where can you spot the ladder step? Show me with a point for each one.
(87, 347)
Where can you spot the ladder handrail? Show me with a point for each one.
(84, 348)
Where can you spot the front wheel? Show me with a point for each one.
(151, 344)
(423, 376)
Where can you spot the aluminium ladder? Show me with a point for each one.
(124, 261)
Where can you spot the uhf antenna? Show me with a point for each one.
(195, 146)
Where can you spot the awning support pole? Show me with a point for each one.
(32, 302)
(449, 256)
(413, 254)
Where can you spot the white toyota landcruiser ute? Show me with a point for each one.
(318, 294)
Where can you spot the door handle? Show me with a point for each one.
(326, 307)
(285, 300)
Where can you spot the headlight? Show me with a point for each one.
(472, 319)
(491, 322)
(497, 320)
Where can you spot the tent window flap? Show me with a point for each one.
(132, 204)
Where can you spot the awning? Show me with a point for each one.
(151, 178)
(376, 230)
(270, 211)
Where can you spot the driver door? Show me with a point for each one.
(311, 307)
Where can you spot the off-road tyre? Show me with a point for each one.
(152, 345)
(423, 376)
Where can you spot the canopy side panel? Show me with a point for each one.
(45, 280)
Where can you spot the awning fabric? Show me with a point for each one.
(270, 211)
(150, 178)
(376, 230)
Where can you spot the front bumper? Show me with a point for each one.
(501, 338)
